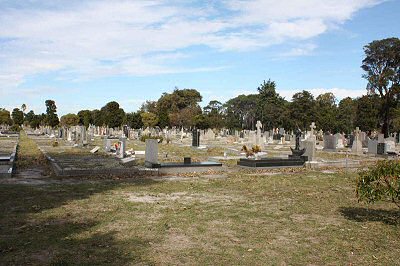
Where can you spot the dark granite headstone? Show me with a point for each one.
(196, 138)
(126, 131)
(381, 148)
(351, 140)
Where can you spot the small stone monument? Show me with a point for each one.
(107, 145)
(357, 144)
(151, 155)
(258, 137)
(196, 138)
(312, 127)
(122, 147)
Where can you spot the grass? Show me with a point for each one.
(244, 217)
(28, 153)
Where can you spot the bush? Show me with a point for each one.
(380, 182)
(15, 128)
(144, 137)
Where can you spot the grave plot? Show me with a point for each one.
(67, 160)
(8, 149)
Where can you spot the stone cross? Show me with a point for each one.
(258, 125)
(312, 127)
(357, 132)
(258, 137)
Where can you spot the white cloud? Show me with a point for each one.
(104, 38)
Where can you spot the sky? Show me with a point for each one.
(83, 54)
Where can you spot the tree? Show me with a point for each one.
(327, 110)
(367, 115)
(51, 113)
(85, 117)
(69, 120)
(272, 108)
(97, 118)
(241, 111)
(5, 118)
(17, 117)
(134, 120)
(382, 67)
(23, 107)
(346, 115)
(149, 119)
(214, 112)
(171, 108)
(302, 109)
(113, 115)
(185, 117)
(201, 121)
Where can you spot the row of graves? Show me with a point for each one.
(8, 149)
(74, 153)
(85, 151)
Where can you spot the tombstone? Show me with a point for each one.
(309, 145)
(312, 128)
(107, 145)
(357, 144)
(125, 130)
(390, 145)
(372, 146)
(252, 137)
(330, 143)
(340, 142)
(381, 138)
(95, 149)
(195, 138)
(122, 147)
(381, 148)
(258, 137)
(209, 134)
(151, 155)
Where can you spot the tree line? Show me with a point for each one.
(378, 109)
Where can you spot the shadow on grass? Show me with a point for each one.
(391, 217)
(31, 234)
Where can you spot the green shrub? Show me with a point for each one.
(144, 137)
(380, 182)
(15, 128)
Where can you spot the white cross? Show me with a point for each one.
(312, 126)
(259, 125)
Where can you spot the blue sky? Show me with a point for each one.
(83, 54)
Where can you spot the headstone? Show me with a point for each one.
(330, 143)
(312, 128)
(107, 145)
(195, 138)
(381, 138)
(95, 149)
(381, 148)
(309, 145)
(258, 137)
(357, 144)
(390, 146)
(151, 154)
(340, 142)
(122, 147)
(372, 146)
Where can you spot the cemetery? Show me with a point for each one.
(156, 132)
(196, 174)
